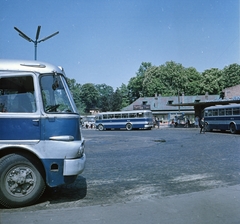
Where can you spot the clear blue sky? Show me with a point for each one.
(105, 41)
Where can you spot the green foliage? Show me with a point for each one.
(135, 85)
(117, 100)
(212, 81)
(231, 75)
(168, 79)
(89, 96)
(105, 97)
(75, 89)
(125, 95)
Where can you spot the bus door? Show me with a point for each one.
(60, 120)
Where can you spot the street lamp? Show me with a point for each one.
(36, 41)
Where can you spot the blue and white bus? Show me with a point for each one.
(224, 118)
(135, 119)
(41, 143)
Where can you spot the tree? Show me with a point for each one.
(75, 89)
(135, 84)
(212, 81)
(89, 96)
(231, 75)
(105, 97)
(117, 100)
(153, 82)
(168, 79)
(193, 81)
(125, 95)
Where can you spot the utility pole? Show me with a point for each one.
(36, 41)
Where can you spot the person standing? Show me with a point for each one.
(157, 122)
(196, 122)
(202, 126)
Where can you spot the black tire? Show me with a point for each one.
(21, 182)
(129, 126)
(100, 127)
(233, 128)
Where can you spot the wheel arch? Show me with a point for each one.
(129, 123)
(232, 123)
(31, 156)
(235, 127)
(100, 125)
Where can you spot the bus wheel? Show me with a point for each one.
(232, 128)
(129, 127)
(100, 127)
(21, 183)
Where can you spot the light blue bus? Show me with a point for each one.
(40, 137)
(135, 119)
(224, 117)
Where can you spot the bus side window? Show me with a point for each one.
(132, 115)
(236, 111)
(221, 112)
(125, 115)
(206, 113)
(215, 112)
(105, 116)
(229, 111)
(22, 103)
(19, 95)
(117, 115)
(3, 103)
(110, 116)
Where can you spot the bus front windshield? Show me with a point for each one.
(55, 95)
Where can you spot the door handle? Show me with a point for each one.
(36, 122)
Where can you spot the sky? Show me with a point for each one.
(105, 41)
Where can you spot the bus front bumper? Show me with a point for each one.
(74, 167)
(147, 126)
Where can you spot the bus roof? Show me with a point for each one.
(27, 65)
(222, 106)
(125, 112)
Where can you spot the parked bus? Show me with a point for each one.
(224, 118)
(40, 137)
(135, 119)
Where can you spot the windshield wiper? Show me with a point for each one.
(52, 108)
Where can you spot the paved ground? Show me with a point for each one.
(220, 206)
(159, 176)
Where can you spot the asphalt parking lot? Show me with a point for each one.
(165, 175)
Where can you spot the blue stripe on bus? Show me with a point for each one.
(121, 123)
(222, 122)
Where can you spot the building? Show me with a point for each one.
(167, 108)
(232, 93)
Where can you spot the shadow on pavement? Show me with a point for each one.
(66, 193)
